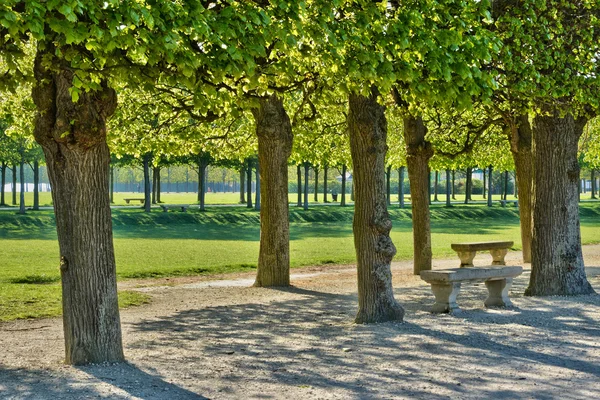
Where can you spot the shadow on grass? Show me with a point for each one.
(119, 381)
(305, 341)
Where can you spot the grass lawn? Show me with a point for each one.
(225, 240)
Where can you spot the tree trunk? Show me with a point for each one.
(401, 187)
(489, 199)
(299, 173)
(343, 194)
(158, 188)
(316, 196)
(448, 189)
(36, 185)
(435, 188)
(249, 184)
(593, 178)
(153, 194)
(242, 185)
(112, 184)
(453, 185)
(521, 140)
(14, 185)
(73, 137)
(484, 181)
(275, 138)
(557, 267)
(388, 185)
(371, 224)
(147, 186)
(325, 170)
(418, 153)
(2, 191)
(468, 185)
(505, 185)
(257, 196)
(22, 184)
(202, 185)
(306, 166)
(428, 185)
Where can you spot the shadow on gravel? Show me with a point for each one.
(311, 342)
(122, 381)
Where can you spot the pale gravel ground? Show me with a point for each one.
(224, 340)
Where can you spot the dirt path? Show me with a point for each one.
(202, 338)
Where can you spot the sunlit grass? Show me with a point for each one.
(225, 240)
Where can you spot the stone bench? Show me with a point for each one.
(467, 251)
(445, 285)
(503, 203)
(182, 207)
(141, 200)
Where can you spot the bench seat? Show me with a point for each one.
(182, 207)
(467, 251)
(141, 200)
(446, 284)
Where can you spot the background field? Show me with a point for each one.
(225, 239)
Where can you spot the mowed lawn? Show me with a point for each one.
(225, 240)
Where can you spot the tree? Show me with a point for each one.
(549, 63)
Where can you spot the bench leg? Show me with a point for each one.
(445, 298)
(498, 293)
(498, 256)
(466, 258)
(165, 209)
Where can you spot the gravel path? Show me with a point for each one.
(222, 340)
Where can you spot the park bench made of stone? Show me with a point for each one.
(466, 251)
(182, 207)
(446, 284)
(141, 200)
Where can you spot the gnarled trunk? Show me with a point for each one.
(274, 132)
(556, 258)
(418, 153)
(73, 137)
(371, 224)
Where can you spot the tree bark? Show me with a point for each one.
(299, 173)
(593, 178)
(325, 170)
(306, 167)
(22, 184)
(275, 138)
(521, 141)
(343, 194)
(73, 137)
(401, 187)
(418, 153)
(505, 185)
(112, 184)
(489, 199)
(147, 186)
(556, 258)
(36, 185)
(429, 185)
(153, 194)
(371, 224)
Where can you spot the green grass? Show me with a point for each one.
(223, 240)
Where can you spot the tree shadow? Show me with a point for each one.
(311, 340)
(114, 381)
